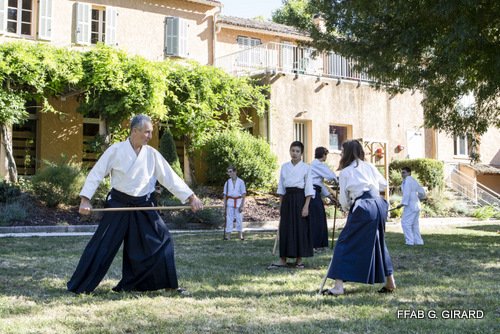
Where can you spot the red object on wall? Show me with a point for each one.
(379, 153)
(399, 148)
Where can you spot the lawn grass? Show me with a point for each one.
(232, 292)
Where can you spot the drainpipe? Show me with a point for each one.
(215, 32)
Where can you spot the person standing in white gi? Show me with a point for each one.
(234, 201)
(412, 193)
(148, 251)
(317, 215)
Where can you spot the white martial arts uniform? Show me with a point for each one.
(320, 172)
(233, 192)
(134, 174)
(412, 192)
(355, 179)
(296, 176)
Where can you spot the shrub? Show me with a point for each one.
(59, 183)
(8, 192)
(168, 150)
(252, 157)
(11, 212)
(430, 171)
(486, 212)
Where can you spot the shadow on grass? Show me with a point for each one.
(449, 268)
(485, 228)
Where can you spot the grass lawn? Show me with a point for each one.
(232, 292)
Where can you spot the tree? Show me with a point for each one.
(169, 151)
(31, 72)
(449, 50)
(294, 13)
(204, 100)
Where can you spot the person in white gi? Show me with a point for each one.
(317, 215)
(234, 201)
(412, 193)
(148, 251)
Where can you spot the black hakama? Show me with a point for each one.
(148, 251)
(317, 219)
(294, 230)
(361, 254)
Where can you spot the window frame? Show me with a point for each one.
(346, 128)
(457, 146)
(19, 18)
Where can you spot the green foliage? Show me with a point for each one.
(204, 100)
(10, 212)
(117, 86)
(252, 157)
(199, 100)
(34, 71)
(486, 212)
(430, 171)
(168, 150)
(8, 192)
(294, 13)
(446, 49)
(59, 183)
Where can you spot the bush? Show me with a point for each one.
(430, 171)
(11, 212)
(486, 212)
(8, 192)
(168, 150)
(250, 155)
(59, 183)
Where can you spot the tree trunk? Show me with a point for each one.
(7, 144)
(190, 153)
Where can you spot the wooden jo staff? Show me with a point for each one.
(333, 236)
(147, 208)
(335, 195)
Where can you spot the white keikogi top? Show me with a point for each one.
(298, 176)
(320, 172)
(355, 180)
(133, 174)
(234, 190)
(412, 193)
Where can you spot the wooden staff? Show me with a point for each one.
(148, 208)
(325, 278)
(276, 240)
(334, 211)
(225, 212)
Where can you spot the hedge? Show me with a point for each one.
(430, 171)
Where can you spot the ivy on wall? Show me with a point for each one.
(196, 100)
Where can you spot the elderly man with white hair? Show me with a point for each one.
(148, 252)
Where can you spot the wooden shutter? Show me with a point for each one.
(83, 15)
(176, 37)
(111, 15)
(45, 20)
(3, 16)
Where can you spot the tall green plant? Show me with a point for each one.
(252, 157)
(168, 150)
(205, 100)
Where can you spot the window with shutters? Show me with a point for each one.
(98, 26)
(20, 17)
(95, 24)
(252, 56)
(17, 17)
(176, 30)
